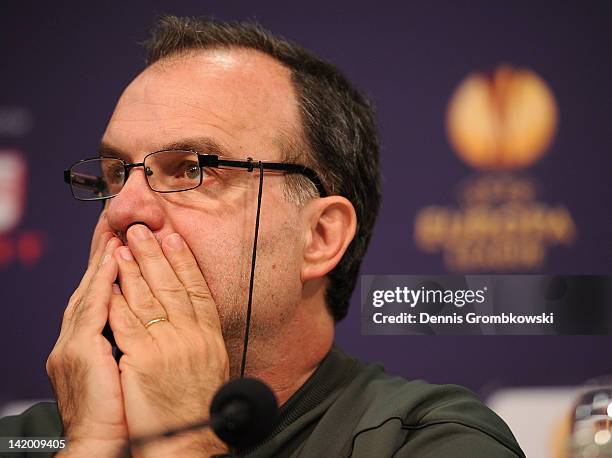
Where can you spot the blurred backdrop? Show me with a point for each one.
(495, 124)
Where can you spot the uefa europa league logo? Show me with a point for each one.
(502, 121)
(499, 123)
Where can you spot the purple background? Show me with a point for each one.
(67, 64)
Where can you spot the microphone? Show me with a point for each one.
(243, 412)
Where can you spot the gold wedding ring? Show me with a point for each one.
(155, 320)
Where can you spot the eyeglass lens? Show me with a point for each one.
(165, 171)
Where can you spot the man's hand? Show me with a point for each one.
(81, 367)
(171, 369)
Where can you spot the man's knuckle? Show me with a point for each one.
(51, 363)
(77, 311)
(76, 296)
(131, 273)
(199, 292)
(182, 265)
(151, 255)
(68, 312)
(171, 289)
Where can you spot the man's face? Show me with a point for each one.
(242, 101)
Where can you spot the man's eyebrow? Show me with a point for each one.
(200, 144)
(106, 149)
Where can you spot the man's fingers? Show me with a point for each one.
(101, 227)
(97, 250)
(188, 272)
(104, 246)
(135, 289)
(159, 275)
(130, 334)
(91, 313)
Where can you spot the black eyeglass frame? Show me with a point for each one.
(207, 160)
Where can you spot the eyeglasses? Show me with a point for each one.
(165, 171)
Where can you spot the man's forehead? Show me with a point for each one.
(240, 99)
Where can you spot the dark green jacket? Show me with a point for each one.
(348, 408)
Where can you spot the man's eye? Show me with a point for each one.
(189, 169)
(114, 174)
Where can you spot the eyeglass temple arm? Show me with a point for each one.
(212, 160)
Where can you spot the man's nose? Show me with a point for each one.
(135, 203)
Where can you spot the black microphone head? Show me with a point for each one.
(244, 412)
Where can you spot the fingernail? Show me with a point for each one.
(116, 289)
(174, 241)
(141, 232)
(105, 259)
(126, 254)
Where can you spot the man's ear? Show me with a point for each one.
(331, 223)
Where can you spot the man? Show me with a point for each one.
(177, 233)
